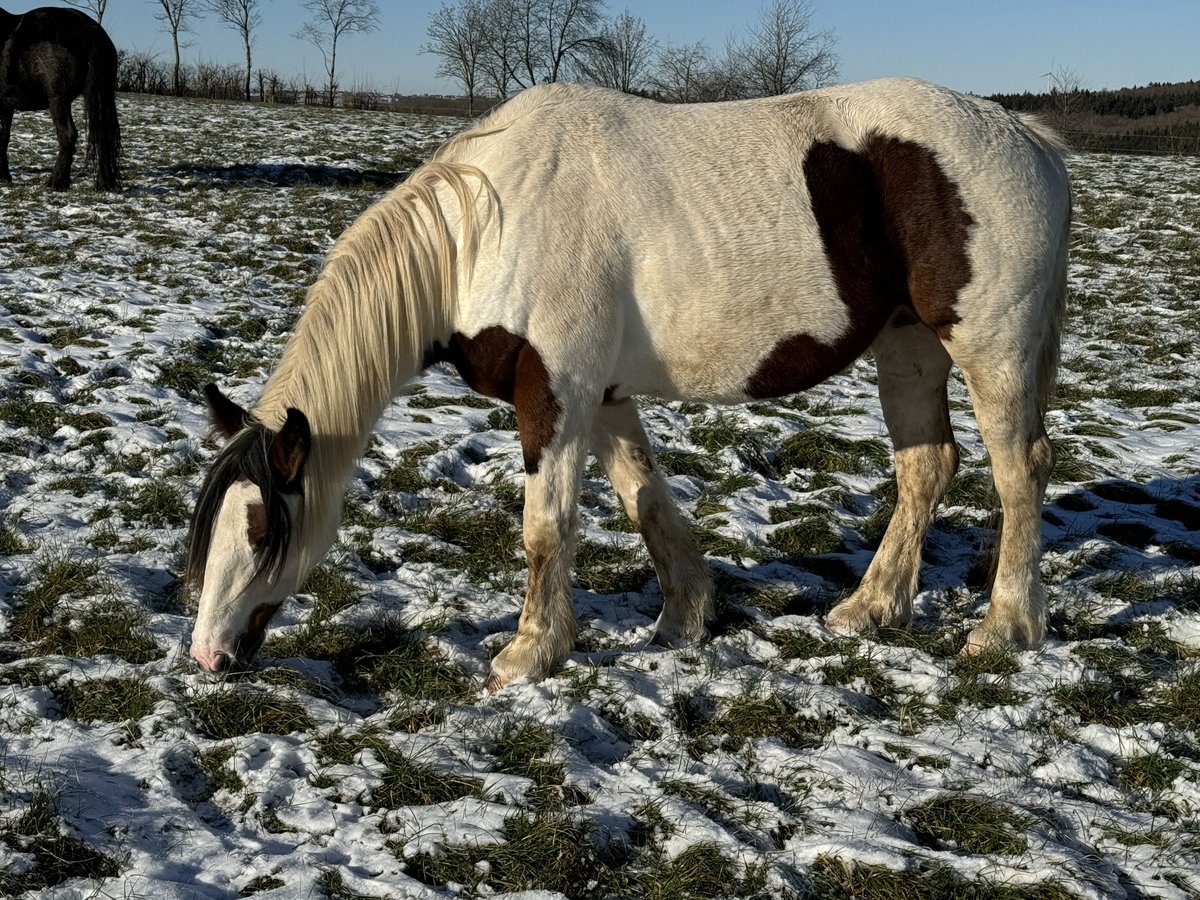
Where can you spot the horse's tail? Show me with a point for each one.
(1051, 350)
(104, 130)
(1054, 147)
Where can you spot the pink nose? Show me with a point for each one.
(212, 660)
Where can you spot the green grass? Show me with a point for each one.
(611, 568)
(58, 855)
(407, 782)
(970, 825)
(527, 749)
(214, 764)
(821, 451)
(836, 879)
(230, 712)
(156, 504)
(704, 871)
(1152, 772)
(544, 851)
(12, 540)
(108, 699)
(382, 657)
(731, 723)
(487, 540)
(333, 591)
(811, 535)
(108, 626)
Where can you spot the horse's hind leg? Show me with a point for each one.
(64, 125)
(6, 117)
(1006, 405)
(913, 367)
(620, 444)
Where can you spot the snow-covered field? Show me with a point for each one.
(359, 758)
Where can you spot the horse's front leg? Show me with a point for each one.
(6, 117)
(64, 125)
(620, 443)
(554, 443)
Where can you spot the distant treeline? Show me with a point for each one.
(1156, 118)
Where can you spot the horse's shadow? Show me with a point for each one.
(269, 174)
(1096, 534)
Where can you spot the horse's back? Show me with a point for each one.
(701, 238)
(48, 51)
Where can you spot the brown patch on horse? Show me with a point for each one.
(927, 224)
(256, 630)
(256, 529)
(848, 206)
(895, 234)
(500, 364)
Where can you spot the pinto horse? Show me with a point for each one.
(48, 57)
(580, 247)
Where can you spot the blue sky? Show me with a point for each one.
(972, 46)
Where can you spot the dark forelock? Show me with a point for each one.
(243, 459)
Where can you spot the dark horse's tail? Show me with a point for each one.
(104, 131)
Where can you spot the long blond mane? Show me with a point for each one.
(387, 291)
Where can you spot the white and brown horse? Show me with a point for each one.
(580, 247)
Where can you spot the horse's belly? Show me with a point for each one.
(725, 336)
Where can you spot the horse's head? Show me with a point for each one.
(241, 550)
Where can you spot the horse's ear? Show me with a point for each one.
(226, 417)
(290, 447)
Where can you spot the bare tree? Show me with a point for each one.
(683, 73)
(571, 26)
(1065, 87)
(502, 20)
(621, 54)
(243, 16)
(330, 20)
(536, 41)
(785, 53)
(95, 7)
(176, 17)
(458, 37)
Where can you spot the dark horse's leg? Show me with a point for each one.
(64, 125)
(6, 115)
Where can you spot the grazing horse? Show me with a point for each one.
(48, 57)
(579, 247)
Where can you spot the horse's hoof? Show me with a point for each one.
(984, 639)
(849, 618)
(856, 616)
(494, 682)
(674, 639)
(523, 658)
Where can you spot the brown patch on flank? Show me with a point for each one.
(895, 233)
(256, 529)
(927, 224)
(499, 364)
(848, 207)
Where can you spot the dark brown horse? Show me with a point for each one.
(48, 57)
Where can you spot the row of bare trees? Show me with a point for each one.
(329, 21)
(496, 47)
